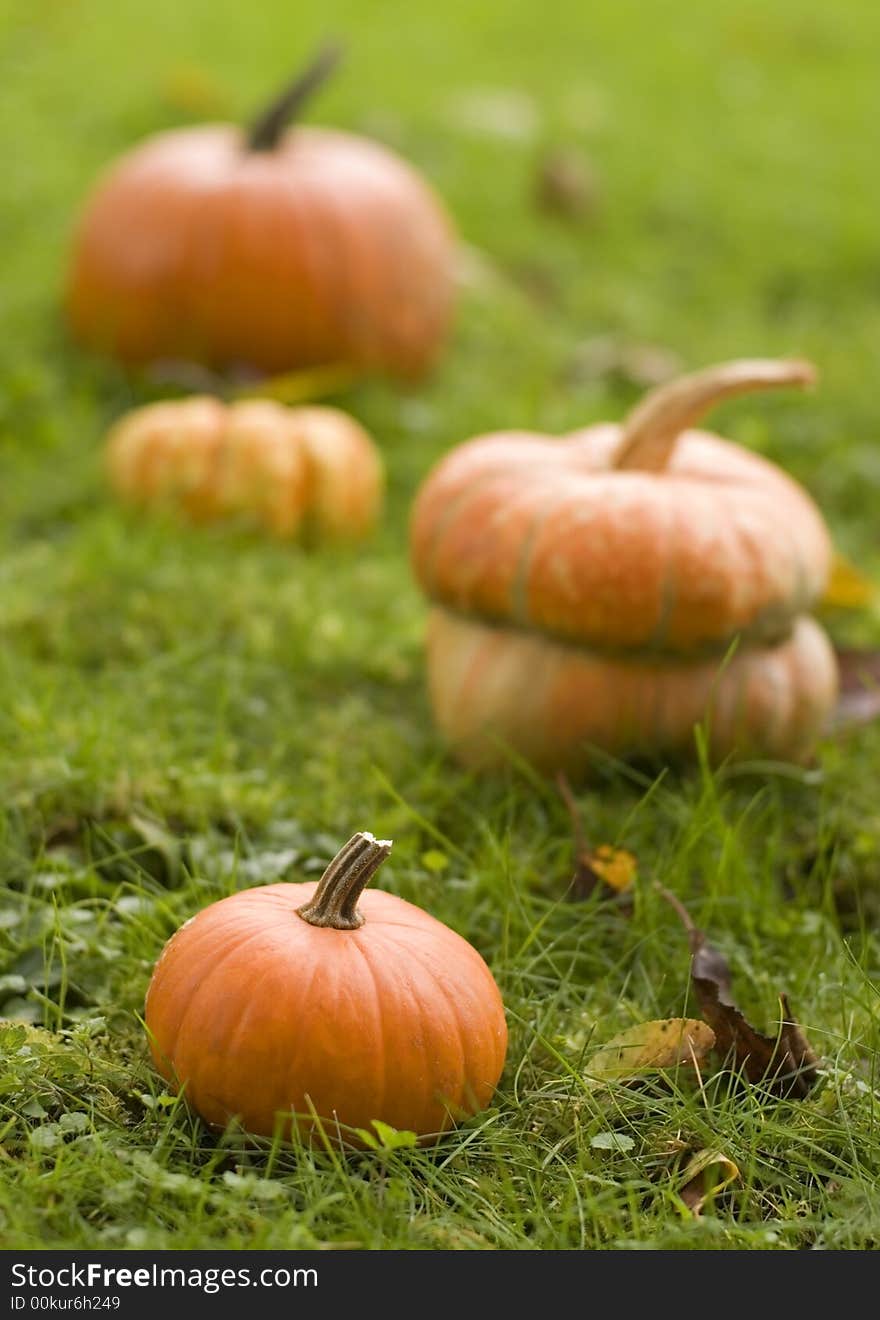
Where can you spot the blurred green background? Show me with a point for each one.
(732, 147)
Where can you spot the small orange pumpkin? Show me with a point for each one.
(590, 589)
(271, 249)
(289, 1000)
(291, 470)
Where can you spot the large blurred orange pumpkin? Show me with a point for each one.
(290, 999)
(617, 586)
(274, 249)
(293, 471)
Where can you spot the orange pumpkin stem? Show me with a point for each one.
(650, 432)
(266, 132)
(335, 900)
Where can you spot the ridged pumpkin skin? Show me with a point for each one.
(494, 689)
(326, 249)
(589, 588)
(258, 1013)
(290, 470)
(545, 534)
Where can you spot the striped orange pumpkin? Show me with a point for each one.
(617, 586)
(271, 249)
(292, 471)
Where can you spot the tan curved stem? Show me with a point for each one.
(334, 902)
(650, 431)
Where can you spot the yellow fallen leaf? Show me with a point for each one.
(648, 1046)
(848, 588)
(302, 386)
(705, 1175)
(616, 867)
(192, 91)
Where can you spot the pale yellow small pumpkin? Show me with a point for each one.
(289, 470)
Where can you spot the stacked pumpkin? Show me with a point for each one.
(614, 588)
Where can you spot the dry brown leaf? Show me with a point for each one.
(785, 1063)
(796, 1046)
(706, 1173)
(859, 700)
(664, 1043)
(566, 185)
(613, 868)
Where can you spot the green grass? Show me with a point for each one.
(183, 714)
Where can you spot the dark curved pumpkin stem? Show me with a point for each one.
(335, 900)
(266, 133)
